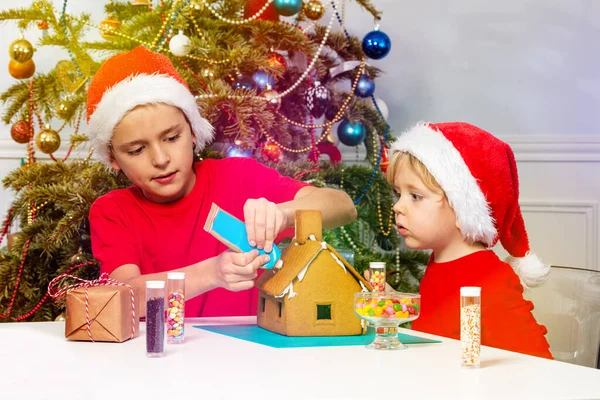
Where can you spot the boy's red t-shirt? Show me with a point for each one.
(506, 319)
(126, 228)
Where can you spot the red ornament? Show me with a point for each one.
(271, 152)
(21, 132)
(330, 149)
(385, 161)
(276, 60)
(253, 6)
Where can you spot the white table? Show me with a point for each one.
(39, 363)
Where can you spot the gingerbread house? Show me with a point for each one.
(310, 291)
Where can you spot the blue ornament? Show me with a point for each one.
(351, 134)
(235, 151)
(244, 83)
(287, 8)
(376, 45)
(365, 86)
(263, 80)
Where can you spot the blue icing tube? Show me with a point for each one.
(232, 233)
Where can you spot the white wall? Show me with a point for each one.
(525, 70)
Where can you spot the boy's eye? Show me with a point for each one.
(173, 138)
(135, 152)
(416, 196)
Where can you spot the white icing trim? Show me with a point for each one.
(289, 289)
(340, 263)
(364, 289)
(278, 264)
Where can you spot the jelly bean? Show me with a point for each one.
(378, 311)
(411, 309)
(371, 313)
(381, 303)
(397, 307)
(404, 307)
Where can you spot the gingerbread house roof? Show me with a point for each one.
(295, 261)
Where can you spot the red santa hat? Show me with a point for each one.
(478, 173)
(135, 78)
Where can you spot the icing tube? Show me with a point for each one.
(232, 233)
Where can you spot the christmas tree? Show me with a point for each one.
(272, 89)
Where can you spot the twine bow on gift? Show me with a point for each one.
(103, 280)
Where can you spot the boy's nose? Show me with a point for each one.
(398, 208)
(160, 158)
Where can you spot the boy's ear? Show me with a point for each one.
(114, 163)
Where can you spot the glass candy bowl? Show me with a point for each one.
(386, 311)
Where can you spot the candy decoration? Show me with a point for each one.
(21, 132)
(20, 50)
(179, 45)
(331, 150)
(287, 8)
(377, 281)
(365, 86)
(385, 159)
(263, 80)
(376, 44)
(314, 9)
(48, 140)
(470, 334)
(351, 134)
(175, 320)
(388, 309)
(21, 70)
(317, 99)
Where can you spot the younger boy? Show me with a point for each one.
(458, 193)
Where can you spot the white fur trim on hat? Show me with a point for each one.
(137, 90)
(532, 271)
(447, 166)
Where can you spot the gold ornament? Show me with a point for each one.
(108, 27)
(273, 101)
(196, 6)
(20, 50)
(21, 70)
(330, 137)
(48, 140)
(61, 318)
(62, 109)
(20, 132)
(207, 72)
(68, 75)
(314, 9)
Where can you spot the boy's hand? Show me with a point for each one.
(367, 276)
(264, 221)
(236, 271)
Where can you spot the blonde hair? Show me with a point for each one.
(417, 167)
